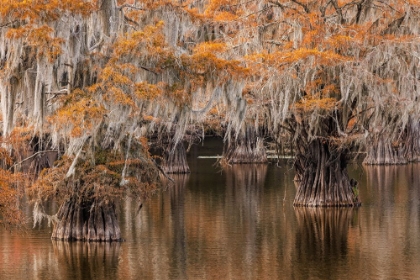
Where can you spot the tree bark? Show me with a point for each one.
(88, 221)
(412, 141)
(323, 179)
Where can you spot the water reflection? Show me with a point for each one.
(178, 263)
(393, 220)
(240, 223)
(321, 237)
(81, 260)
(394, 184)
(244, 188)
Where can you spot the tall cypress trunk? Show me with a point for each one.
(92, 220)
(323, 179)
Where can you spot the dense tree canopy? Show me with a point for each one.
(98, 82)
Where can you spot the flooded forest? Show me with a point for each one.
(109, 101)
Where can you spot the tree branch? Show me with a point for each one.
(97, 44)
(338, 10)
(283, 7)
(148, 69)
(305, 7)
(30, 157)
(8, 23)
(129, 6)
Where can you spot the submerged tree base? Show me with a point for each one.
(248, 148)
(328, 205)
(87, 221)
(384, 153)
(323, 180)
(175, 160)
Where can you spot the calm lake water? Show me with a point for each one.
(239, 223)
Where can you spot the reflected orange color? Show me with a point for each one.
(240, 224)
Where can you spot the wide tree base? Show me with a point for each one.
(175, 160)
(246, 152)
(383, 153)
(323, 180)
(339, 194)
(327, 204)
(87, 221)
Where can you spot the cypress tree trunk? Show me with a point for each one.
(383, 151)
(402, 149)
(323, 179)
(412, 142)
(89, 221)
(248, 148)
(175, 159)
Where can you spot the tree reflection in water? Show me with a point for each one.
(87, 260)
(394, 183)
(244, 183)
(244, 186)
(178, 264)
(240, 224)
(321, 237)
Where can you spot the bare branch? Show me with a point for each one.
(8, 23)
(338, 10)
(130, 7)
(277, 43)
(148, 69)
(283, 7)
(305, 7)
(30, 157)
(96, 45)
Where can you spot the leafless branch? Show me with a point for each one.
(96, 45)
(305, 7)
(130, 7)
(30, 157)
(148, 69)
(57, 93)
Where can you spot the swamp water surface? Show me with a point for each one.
(240, 224)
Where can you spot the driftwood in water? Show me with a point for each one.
(175, 159)
(323, 179)
(88, 221)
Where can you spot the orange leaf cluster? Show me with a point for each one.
(35, 11)
(79, 114)
(316, 102)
